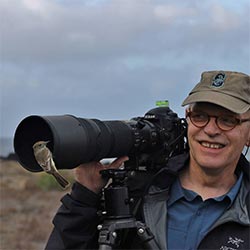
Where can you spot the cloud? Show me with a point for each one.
(168, 13)
(37, 6)
(113, 58)
(48, 31)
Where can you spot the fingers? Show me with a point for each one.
(97, 166)
(88, 174)
(118, 162)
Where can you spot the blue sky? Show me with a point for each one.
(112, 59)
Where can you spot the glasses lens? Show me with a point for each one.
(227, 122)
(198, 119)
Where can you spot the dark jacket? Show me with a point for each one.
(77, 219)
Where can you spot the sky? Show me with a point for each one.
(113, 59)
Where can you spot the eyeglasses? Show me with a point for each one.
(225, 123)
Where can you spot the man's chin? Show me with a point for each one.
(211, 164)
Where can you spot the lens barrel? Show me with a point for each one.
(72, 140)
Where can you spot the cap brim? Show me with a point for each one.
(229, 102)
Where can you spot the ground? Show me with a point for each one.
(26, 210)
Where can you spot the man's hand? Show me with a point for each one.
(88, 174)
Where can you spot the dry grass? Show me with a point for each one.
(26, 210)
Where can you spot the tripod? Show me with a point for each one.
(119, 216)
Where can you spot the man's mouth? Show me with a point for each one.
(212, 145)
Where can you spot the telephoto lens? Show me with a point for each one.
(74, 141)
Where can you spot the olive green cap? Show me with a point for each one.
(228, 89)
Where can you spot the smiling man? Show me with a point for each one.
(205, 206)
(219, 122)
(213, 190)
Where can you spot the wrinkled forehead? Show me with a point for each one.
(210, 108)
(213, 109)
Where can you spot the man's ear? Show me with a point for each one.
(187, 110)
(248, 141)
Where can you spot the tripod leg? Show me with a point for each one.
(107, 236)
(146, 236)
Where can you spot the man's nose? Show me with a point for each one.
(212, 127)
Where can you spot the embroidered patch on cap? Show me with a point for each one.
(218, 80)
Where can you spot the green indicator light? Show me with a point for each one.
(164, 103)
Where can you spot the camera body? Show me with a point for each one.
(159, 135)
(148, 141)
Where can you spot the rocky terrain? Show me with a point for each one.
(26, 209)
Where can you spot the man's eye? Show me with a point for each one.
(199, 117)
(230, 121)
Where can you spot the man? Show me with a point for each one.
(207, 204)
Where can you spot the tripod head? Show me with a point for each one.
(118, 213)
(116, 195)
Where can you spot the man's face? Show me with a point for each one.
(211, 148)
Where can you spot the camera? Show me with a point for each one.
(149, 141)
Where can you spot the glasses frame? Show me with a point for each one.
(238, 120)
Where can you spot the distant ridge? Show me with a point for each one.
(10, 157)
